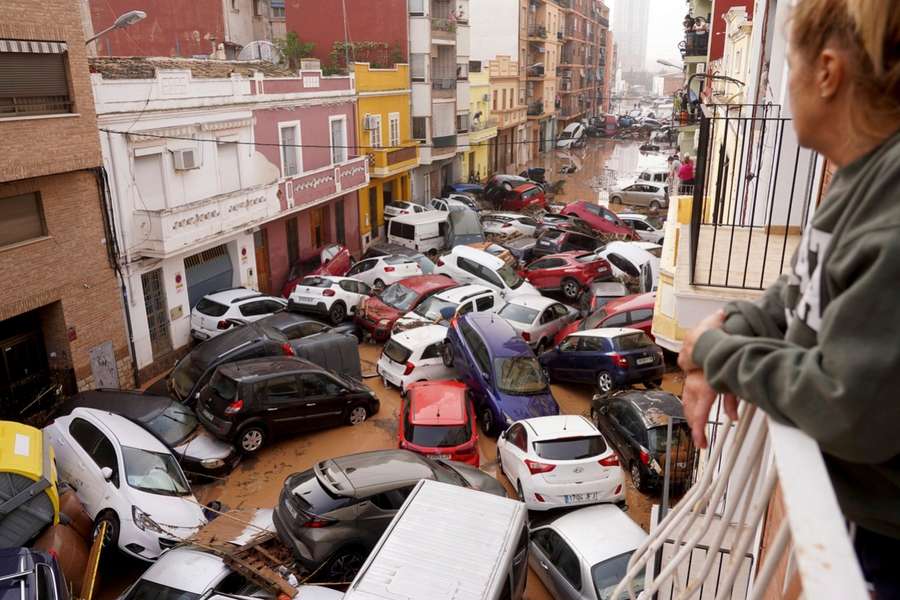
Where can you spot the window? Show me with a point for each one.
(617, 320)
(420, 128)
(503, 105)
(33, 81)
(417, 8)
(339, 139)
(462, 71)
(148, 179)
(289, 138)
(229, 167)
(462, 122)
(259, 307)
(315, 384)
(642, 314)
(494, 104)
(403, 230)
(277, 9)
(374, 123)
(518, 437)
(432, 351)
(591, 344)
(394, 130)
(484, 303)
(282, 389)
(560, 555)
(417, 64)
(21, 219)
(391, 499)
(363, 265)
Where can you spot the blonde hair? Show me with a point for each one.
(869, 30)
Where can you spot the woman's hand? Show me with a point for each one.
(685, 358)
(698, 398)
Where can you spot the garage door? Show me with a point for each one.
(207, 272)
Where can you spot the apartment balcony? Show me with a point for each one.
(535, 109)
(443, 31)
(537, 32)
(443, 146)
(443, 87)
(695, 45)
(535, 72)
(604, 22)
(386, 162)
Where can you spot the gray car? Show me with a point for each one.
(641, 193)
(332, 515)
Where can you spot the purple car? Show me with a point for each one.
(503, 375)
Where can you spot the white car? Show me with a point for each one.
(584, 554)
(449, 204)
(654, 196)
(469, 265)
(217, 312)
(508, 224)
(414, 355)
(629, 259)
(571, 137)
(648, 229)
(443, 306)
(335, 297)
(381, 271)
(395, 208)
(654, 249)
(126, 478)
(537, 319)
(559, 461)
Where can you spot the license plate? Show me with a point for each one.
(645, 361)
(303, 300)
(581, 497)
(444, 456)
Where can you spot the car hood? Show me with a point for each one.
(202, 445)
(476, 478)
(377, 310)
(527, 407)
(179, 516)
(526, 289)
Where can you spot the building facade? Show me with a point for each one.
(384, 125)
(478, 163)
(582, 79)
(631, 24)
(541, 29)
(61, 320)
(511, 148)
(212, 186)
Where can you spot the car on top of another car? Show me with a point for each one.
(381, 271)
(377, 314)
(468, 265)
(601, 219)
(634, 311)
(568, 272)
(328, 295)
(537, 319)
(556, 241)
(414, 355)
(441, 307)
(220, 311)
(333, 259)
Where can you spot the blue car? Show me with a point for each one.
(610, 357)
(503, 375)
(476, 189)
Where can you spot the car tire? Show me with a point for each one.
(655, 206)
(605, 382)
(250, 439)
(378, 284)
(337, 313)
(616, 200)
(447, 355)
(637, 479)
(571, 289)
(357, 414)
(343, 566)
(487, 422)
(111, 538)
(654, 385)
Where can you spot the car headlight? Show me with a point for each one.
(384, 322)
(143, 521)
(212, 463)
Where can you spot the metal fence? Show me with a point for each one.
(754, 188)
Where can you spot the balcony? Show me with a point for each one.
(537, 32)
(27, 106)
(385, 162)
(443, 30)
(443, 145)
(444, 87)
(536, 109)
(604, 22)
(694, 45)
(535, 72)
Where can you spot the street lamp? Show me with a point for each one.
(667, 63)
(125, 20)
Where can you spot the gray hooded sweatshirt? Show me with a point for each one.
(821, 349)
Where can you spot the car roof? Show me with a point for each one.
(505, 215)
(462, 292)
(284, 319)
(605, 332)
(656, 407)
(131, 404)
(633, 302)
(214, 348)
(420, 336)
(558, 426)
(599, 532)
(252, 368)
(187, 569)
(501, 339)
(331, 278)
(232, 295)
(372, 472)
(534, 301)
(429, 216)
(126, 432)
(427, 283)
(437, 403)
(524, 187)
(481, 256)
(636, 216)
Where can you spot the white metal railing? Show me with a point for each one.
(724, 514)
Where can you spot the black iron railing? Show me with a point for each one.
(694, 44)
(753, 190)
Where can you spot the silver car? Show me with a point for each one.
(641, 193)
(537, 319)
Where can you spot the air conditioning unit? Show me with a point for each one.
(186, 159)
(370, 122)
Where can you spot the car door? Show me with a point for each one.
(542, 328)
(324, 399)
(352, 295)
(91, 450)
(258, 309)
(537, 272)
(557, 566)
(564, 358)
(512, 452)
(374, 514)
(363, 270)
(285, 408)
(589, 359)
(617, 417)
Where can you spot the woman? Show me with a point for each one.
(686, 175)
(821, 349)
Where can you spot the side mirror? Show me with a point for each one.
(604, 410)
(486, 375)
(107, 473)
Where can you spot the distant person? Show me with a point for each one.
(820, 351)
(686, 175)
(674, 168)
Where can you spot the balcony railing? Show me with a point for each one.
(443, 28)
(444, 141)
(534, 71)
(20, 106)
(537, 31)
(694, 44)
(535, 109)
(386, 161)
(753, 190)
(744, 502)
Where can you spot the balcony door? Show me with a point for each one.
(261, 245)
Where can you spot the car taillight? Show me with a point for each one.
(526, 336)
(440, 263)
(318, 522)
(619, 360)
(609, 461)
(537, 468)
(287, 350)
(618, 489)
(409, 368)
(329, 292)
(389, 269)
(645, 457)
(468, 450)
(224, 324)
(235, 407)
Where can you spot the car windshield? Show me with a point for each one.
(607, 575)
(173, 425)
(518, 313)
(185, 375)
(633, 341)
(531, 192)
(396, 259)
(145, 589)
(520, 375)
(465, 222)
(154, 472)
(397, 352)
(399, 296)
(434, 308)
(574, 448)
(395, 204)
(509, 276)
(551, 234)
(681, 437)
(593, 320)
(223, 386)
(437, 436)
(210, 308)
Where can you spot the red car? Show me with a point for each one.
(437, 420)
(570, 272)
(525, 196)
(378, 314)
(333, 259)
(601, 219)
(634, 311)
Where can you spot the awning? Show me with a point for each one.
(32, 46)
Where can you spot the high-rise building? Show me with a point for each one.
(631, 22)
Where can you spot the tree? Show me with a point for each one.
(293, 49)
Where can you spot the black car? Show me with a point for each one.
(297, 326)
(635, 423)
(27, 574)
(175, 425)
(250, 401)
(554, 241)
(253, 340)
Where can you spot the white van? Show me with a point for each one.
(448, 542)
(424, 232)
(571, 137)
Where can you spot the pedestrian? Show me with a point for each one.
(819, 350)
(686, 175)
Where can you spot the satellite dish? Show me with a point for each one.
(261, 50)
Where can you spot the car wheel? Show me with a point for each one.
(447, 355)
(571, 289)
(653, 385)
(519, 493)
(357, 415)
(251, 439)
(636, 478)
(604, 382)
(343, 566)
(654, 205)
(111, 536)
(378, 284)
(487, 422)
(338, 313)
(616, 199)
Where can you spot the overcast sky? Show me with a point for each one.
(665, 30)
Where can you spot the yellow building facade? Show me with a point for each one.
(477, 164)
(384, 133)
